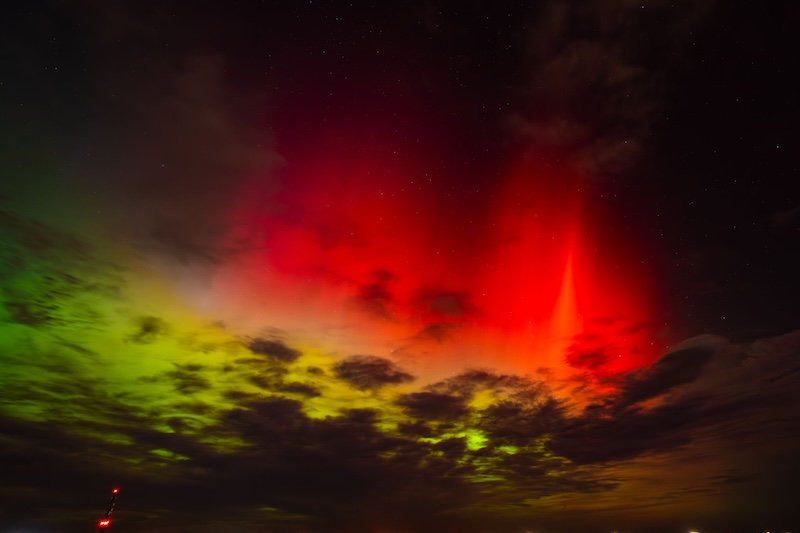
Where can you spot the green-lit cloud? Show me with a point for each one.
(106, 381)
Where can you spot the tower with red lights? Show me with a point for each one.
(105, 521)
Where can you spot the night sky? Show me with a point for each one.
(400, 267)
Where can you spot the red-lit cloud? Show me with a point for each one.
(525, 278)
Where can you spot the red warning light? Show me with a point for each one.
(105, 522)
(114, 491)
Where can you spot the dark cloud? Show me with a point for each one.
(518, 423)
(707, 389)
(368, 372)
(148, 329)
(274, 349)
(302, 389)
(452, 448)
(240, 397)
(469, 382)
(433, 406)
(785, 218)
(376, 299)
(597, 75)
(315, 371)
(674, 369)
(383, 276)
(307, 462)
(438, 332)
(416, 429)
(587, 360)
(442, 306)
(601, 437)
(522, 411)
(188, 379)
(269, 378)
(28, 315)
(283, 459)
(49, 276)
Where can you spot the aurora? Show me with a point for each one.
(397, 269)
